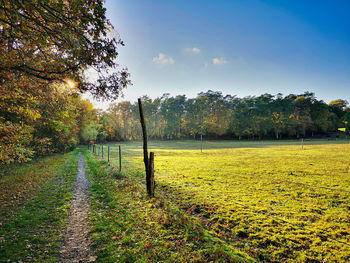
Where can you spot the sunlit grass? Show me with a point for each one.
(127, 226)
(34, 203)
(273, 201)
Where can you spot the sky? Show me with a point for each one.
(238, 47)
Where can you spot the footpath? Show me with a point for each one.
(77, 243)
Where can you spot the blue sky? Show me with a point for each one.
(241, 47)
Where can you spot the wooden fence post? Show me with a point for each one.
(120, 159)
(108, 153)
(145, 151)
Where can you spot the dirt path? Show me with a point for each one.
(76, 246)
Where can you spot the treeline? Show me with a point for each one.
(213, 115)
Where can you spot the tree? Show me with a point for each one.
(319, 116)
(282, 109)
(124, 109)
(241, 123)
(56, 40)
(217, 120)
(302, 114)
(337, 112)
(86, 118)
(46, 46)
(89, 133)
(172, 110)
(347, 121)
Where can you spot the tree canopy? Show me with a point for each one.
(47, 49)
(56, 40)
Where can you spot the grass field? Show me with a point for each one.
(127, 226)
(273, 200)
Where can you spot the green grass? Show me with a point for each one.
(34, 204)
(271, 199)
(127, 226)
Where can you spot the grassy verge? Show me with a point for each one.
(34, 201)
(127, 226)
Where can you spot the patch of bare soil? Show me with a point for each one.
(77, 243)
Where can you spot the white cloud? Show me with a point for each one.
(194, 50)
(163, 59)
(219, 61)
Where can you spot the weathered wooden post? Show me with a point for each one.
(149, 182)
(108, 153)
(120, 159)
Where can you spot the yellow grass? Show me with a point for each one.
(276, 202)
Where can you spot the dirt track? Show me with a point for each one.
(77, 243)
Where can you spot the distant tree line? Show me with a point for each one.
(213, 115)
